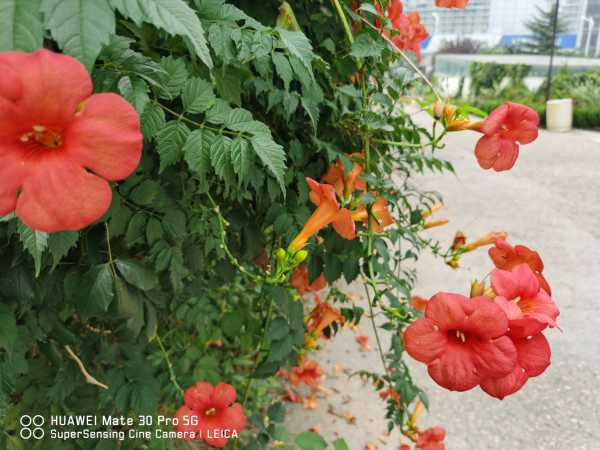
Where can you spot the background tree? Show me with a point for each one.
(541, 27)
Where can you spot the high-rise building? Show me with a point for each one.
(505, 21)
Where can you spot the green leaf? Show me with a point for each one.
(220, 155)
(340, 444)
(173, 16)
(20, 25)
(146, 192)
(35, 242)
(171, 140)
(60, 244)
(8, 328)
(130, 305)
(136, 229)
(93, 292)
(310, 441)
(272, 156)
(174, 223)
(299, 46)
(135, 92)
(198, 96)
(137, 274)
(241, 157)
(196, 152)
(174, 76)
(365, 46)
(80, 27)
(283, 68)
(153, 120)
(241, 120)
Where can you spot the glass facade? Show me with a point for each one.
(491, 20)
(472, 20)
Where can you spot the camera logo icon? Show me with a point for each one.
(31, 427)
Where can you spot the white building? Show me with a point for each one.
(504, 21)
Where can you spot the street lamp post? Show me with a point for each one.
(552, 51)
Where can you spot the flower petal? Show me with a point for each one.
(455, 369)
(105, 137)
(529, 286)
(58, 195)
(487, 150)
(494, 359)
(198, 396)
(53, 85)
(541, 307)
(423, 341)
(11, 176)
(507, 155)
(506, 385)
(534, 354)
(223, 395)
(495, 120)
(487, 321)
(344, 225)
(234, 418)
(448, 311)
(184, 417)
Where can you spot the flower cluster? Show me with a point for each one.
(504, 130)
(210, 414)
(496, 343)
(343, 187)
(407, 30)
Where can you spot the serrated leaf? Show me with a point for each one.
(136, 229)
(80, 27)
(21, 25)
(174, 76)
(137, 274)
(272, 156)
(170, 141)
(299, 46)
(220, 157)
(94, 291)
(173, 16)
(135, 92)
(241, 120)
(198, 96)
(130, 305)
(8, 328)
(145, 193)
(153, 120)
(60, 244)
(283, 69)
(35, 242)
(241, 157)
(365, 46)
(196, 152)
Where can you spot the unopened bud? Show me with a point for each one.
(301, 256)
(477, 288)
(280, 255)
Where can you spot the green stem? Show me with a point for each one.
(172, 376)
(259, 349)
(111, 261)
(223, 239)
(397, 143)
(182, 117)
(344, 20)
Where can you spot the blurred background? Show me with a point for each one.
(497, 50)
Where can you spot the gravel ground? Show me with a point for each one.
(551, 202)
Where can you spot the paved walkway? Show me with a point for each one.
(550, 202)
